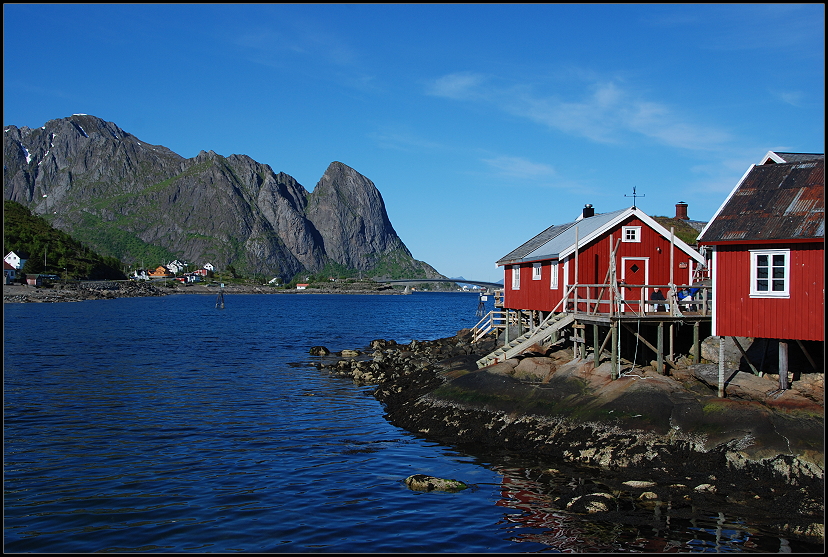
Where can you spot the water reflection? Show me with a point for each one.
(540, 504)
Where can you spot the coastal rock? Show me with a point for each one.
(421, 482)
(319, 351)
(535, 368)
(657, 434)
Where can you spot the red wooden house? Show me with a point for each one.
(539, 273)
(768, 242)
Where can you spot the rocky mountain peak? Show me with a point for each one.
(137, 201)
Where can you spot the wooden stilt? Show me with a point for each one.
(606, 339)
(614, 350)
(744, 354)
(721, 367)
(596, 355)
(696, 344)
(783, 365)
(807, 355)
(660, 348)
(648, 345)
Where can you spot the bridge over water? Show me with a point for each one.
(409, 282)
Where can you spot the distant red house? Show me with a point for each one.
(768, 242)
(538, 273)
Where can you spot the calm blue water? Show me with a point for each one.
(167, 425)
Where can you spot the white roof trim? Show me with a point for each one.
(771, 156)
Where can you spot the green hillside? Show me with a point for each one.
(62, 254)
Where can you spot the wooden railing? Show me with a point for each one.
(605, 299)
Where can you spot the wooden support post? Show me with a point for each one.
(721, 367)
(606, 339)
(744, 354)
(596, 356)
(660, 350)
(807, 355)
(614, 350)
(506, 338)
(672, 340)
(650, 346)
(783, 365)
(696, 344)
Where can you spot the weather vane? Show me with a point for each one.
(635, 196)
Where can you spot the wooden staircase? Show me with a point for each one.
(540, 334)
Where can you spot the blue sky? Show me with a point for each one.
(481, 125)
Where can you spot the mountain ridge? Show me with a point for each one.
(134, 200)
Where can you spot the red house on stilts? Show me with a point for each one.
(627, 246)
(768, 260)
(602, 271)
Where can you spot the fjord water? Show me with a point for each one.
(168, 425)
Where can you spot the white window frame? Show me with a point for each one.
(755, 292)
(515, 277)
(537, 271)
(553, 271)
(631, 234)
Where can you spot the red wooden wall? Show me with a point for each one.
(592, 268)
(801, 316)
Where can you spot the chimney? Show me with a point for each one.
(681, 211)
(588, 211)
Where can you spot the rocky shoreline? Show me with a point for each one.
(103, 290)
(654, 441)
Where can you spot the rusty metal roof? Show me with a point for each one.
(773, 202)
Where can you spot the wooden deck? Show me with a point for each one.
(603, 312)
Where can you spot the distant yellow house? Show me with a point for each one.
(161, 272)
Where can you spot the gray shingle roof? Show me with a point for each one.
(557, 238)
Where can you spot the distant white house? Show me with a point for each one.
(140, 274)
(209, 267)
(16, 260)
(176, 266)
(301, 286)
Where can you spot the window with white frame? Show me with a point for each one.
(515, 277)
(553, 270)
(770, 273)
(631, 234)
(536, 271)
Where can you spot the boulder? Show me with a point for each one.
(319, 351)
(421, 482)
(535, 368)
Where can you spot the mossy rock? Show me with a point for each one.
(421, 482)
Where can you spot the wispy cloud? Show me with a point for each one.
(463, 86)
(404, 141)
(603, 111)
(793, 98)
(518, 167)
